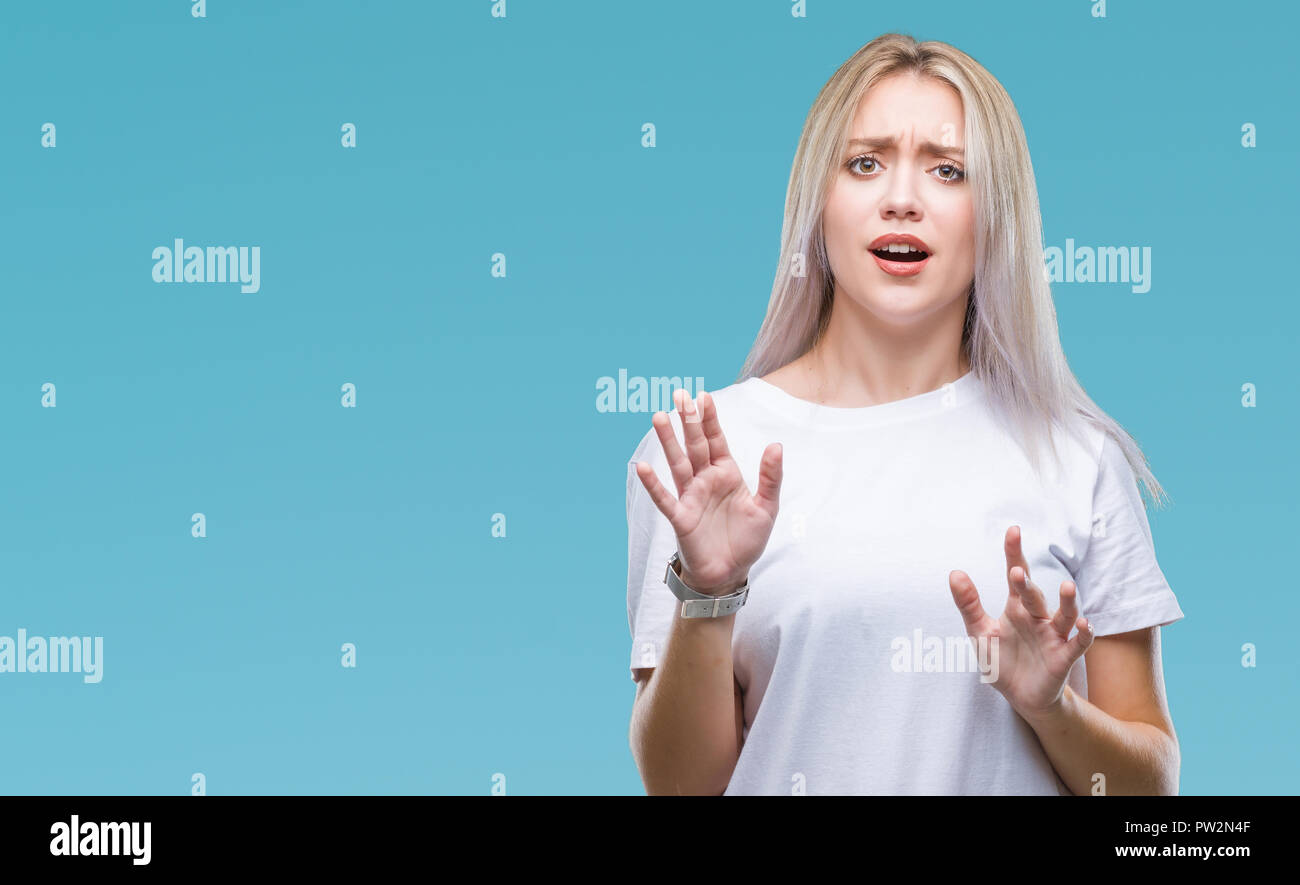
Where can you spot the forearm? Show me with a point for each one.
(683, 732)
(1081, 740)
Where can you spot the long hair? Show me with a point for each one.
(1010, 335)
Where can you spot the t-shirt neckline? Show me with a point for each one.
(965, 389)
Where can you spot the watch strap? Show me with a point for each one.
(702, 605)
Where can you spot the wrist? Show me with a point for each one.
(1054, 713)
(699, 586)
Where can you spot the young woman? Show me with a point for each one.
(944, 581)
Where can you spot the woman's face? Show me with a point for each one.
(915, 186)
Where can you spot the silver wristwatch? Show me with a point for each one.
(702, 605)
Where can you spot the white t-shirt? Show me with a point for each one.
(857, 673)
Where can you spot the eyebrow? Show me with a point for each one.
(929, 147)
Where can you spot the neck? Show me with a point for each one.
(860, 361)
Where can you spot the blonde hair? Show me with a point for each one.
(1010, 335)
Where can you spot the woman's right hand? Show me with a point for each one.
(721, 528)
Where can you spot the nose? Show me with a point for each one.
(901, 199)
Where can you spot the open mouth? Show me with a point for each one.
(908, 255)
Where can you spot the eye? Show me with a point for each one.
(948, 172)
(863, 157)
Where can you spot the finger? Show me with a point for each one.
(1082, 640)
(678, 465)
(697, 447)
(1068, 611)
(712, 428)
(1030, 596)
(769, 479)
(1015, 556)
(1012, 548)
(663, 499)
(967, 599)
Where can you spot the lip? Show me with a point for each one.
(884, 240)
(901, 268)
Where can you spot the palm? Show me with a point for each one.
(718, 518)
(1030, 648)
(721, 528)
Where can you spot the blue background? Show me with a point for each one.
(476, 395)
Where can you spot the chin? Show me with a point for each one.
(901, 311)
(901, 302)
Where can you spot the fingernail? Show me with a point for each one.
(690, 403)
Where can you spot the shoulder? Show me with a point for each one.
(1102, 451)
(1098, 460)
(1091, 442)
(1070, 461)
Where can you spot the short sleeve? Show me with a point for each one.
(1120, 584)
(651, 542)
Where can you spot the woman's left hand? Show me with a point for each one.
(1031, 649)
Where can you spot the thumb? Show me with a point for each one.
(967, 599)
(769, 479)
(1082, 640)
